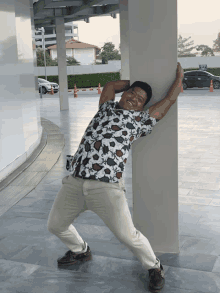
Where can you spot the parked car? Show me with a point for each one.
(46, 86)
(199, 78)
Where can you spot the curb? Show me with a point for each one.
(84, 89)
(14, 187)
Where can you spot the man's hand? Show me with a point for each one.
(179, 72)
(160, 109)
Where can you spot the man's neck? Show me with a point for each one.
(119, 107)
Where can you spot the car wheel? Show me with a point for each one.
(184, 86)
(216, 85)
(44, 91)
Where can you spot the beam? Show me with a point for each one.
(64, 11)
(55, 4)
(47, 16)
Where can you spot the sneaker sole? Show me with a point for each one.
(155, 290)
(75, 261)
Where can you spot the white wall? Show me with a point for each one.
(53, 54)
(69, 52)
(115, 66)
(194, 62)
(85, 56)
(19, 113)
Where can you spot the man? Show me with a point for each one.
(96, 183)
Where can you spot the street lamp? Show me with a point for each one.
(42, 30)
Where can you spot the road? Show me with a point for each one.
(189, 98)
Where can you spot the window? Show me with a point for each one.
(50, 39)
(190, 74)
(48, 30)
(202, 74)
(68, 31)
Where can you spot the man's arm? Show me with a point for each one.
(160, 109)
(111, 88)
(121, 85)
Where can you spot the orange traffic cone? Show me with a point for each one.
(52, 92)
(99, 89)
(75, 91)
(211, 86)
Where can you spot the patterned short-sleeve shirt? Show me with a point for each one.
(104, 148)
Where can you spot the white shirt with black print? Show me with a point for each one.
(104, 148)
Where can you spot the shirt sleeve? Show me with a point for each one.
(148, 124)
(103, 106)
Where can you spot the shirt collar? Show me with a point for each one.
(117, 106)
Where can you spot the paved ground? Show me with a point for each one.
(28, 252)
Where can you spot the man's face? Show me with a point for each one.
(133, 99)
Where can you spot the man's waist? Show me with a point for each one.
(76, 174)
(92, 177)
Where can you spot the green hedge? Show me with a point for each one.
(86, 80)
(93, 80)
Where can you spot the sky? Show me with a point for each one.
(199, 19)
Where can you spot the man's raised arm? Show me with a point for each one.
(160, 109)
(121, 85)
(111, 88)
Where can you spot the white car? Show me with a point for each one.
(46, 86)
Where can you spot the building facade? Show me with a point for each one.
(82, 52)
(71, 31)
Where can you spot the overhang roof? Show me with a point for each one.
(45, 11)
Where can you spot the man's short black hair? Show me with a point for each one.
(144, 86)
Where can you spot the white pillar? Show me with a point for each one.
(124, 39)
(153, 59)
(62, 68)
(20, 122)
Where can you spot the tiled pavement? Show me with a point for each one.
(28, 252)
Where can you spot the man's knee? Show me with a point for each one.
(128, 238)
(52, 227)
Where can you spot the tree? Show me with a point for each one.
(183, 50)
(52, 62)
(109, 53)
(40, 57)
(70, 61)
(216, 46)
(206, 50)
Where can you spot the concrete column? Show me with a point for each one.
(20, 122)
(124, 35)
(62, 68)
(153, 59)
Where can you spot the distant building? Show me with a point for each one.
(82, 52)
(50, 35)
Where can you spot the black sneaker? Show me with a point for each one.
(157, 279)
(71, 258)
